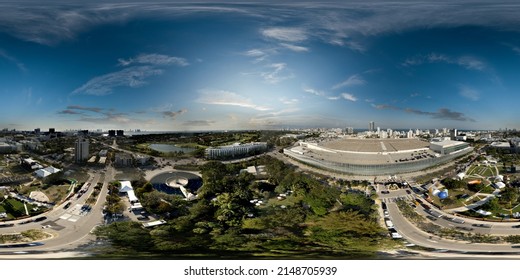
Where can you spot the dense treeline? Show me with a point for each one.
(320, 222)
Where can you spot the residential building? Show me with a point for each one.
(81, 152)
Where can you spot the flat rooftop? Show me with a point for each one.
(370, 159)
(375, 145)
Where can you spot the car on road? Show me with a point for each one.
(435, 214)
(408, 192)
(46, 226)
(517, 226)
(67, 205)
(482, 225)
(431, 218)
(383, 205)
(385, 192)
(463, 228)
(386, 213)
(458, 220)
(6, 225)
(39, 219)
(389, 223)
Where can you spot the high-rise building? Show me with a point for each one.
(52, 130)
(371, 126)
(82, 149)
(120, 133)
(37, 130)
(112, 133)
(350, 130)
(453, 134)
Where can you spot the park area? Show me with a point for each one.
(14, 209)
(484, 185)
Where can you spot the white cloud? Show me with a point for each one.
(289, 101)
(286, 34)
(353, 80)
(471, 63)
(255, 53)
(154, 59)
(346, 96)
(227, 98)
(294, 48)
(469, 93)
(468, 62)
(277, 73)
(134, 76)
(313, 91)
(349, 97)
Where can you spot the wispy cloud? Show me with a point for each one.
(516, 49)
(469, 93)
(472, 63)
(291, 101)
(174, 114)
(353, 80)
(12, 59)
(134, 76)
(227, 98)
(338, 23)
(442, 113)
(294, 48)
(468, 62)
(85, 108)
(278, 72)
(349, 96)
(286, 34)
(313, 91)
(69, 112)
(154, 59)
(346, 96)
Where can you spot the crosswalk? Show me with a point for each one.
(74, 214)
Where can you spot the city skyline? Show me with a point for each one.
(176, 66)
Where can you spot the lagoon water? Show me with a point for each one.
(166, 148)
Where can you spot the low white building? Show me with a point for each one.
(126, 187)
(236, 150)
(44, 172)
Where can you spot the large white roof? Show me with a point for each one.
(126, 186)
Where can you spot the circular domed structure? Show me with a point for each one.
(443, 194)
(174, 181)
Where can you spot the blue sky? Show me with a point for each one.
(177, 66)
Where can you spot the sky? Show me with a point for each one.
(177, 66)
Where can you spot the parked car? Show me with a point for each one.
(482, 225)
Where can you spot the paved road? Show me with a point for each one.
(414, 235)
(71, 226)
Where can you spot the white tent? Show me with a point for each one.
(125, 186)
(42, 173)
(131, 196)
(500, 185)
